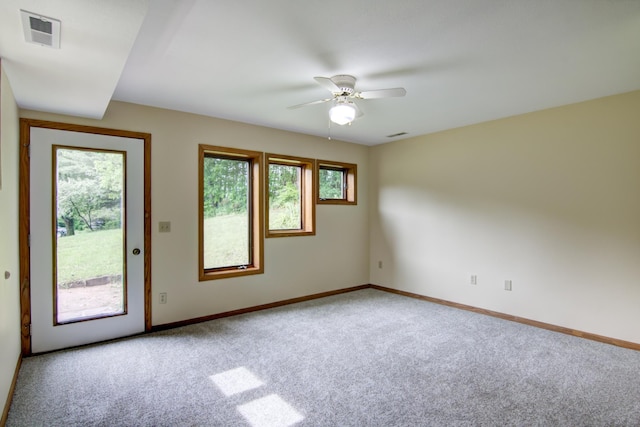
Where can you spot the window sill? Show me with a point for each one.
(335, 202)
(289, 233)
(229, 273)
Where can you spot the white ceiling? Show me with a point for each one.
(461, 61)
(79, 78)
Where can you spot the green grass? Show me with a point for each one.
(99, 253)
(226, 241)
(286, 217)
(226, 236)
(89, 254)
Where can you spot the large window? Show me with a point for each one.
(290, 208)
(230, 211)
(337, 183)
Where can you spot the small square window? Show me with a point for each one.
(336, 183)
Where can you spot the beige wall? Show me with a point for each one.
(549, 200)
(9, 288)
(336, 257)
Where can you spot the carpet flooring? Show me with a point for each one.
(364, 358)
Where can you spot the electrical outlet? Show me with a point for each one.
(164, 226)
(507, 285)
(474, 279)
(163, 297)
(379, 264)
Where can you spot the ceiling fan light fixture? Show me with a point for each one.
(342, 113)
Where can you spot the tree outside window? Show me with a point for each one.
(337, 183)
(230, 212)
(290, 207)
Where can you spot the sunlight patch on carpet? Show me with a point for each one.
(236, 381)
(270, 411)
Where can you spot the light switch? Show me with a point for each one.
(164, 226)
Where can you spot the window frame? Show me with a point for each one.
(350, 171)
(307, 192)
(256, 212)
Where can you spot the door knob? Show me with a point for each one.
(136, 251)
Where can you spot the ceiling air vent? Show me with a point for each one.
(40, 29)
(396, 134)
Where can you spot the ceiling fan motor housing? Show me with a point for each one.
(345, 83)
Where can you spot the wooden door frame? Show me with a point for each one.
(24, 214)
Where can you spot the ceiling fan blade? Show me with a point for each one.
(320, 101)
(327, 83)
(381, 93)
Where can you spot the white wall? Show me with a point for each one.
(9, 261)
(549, 200)
(336, 257)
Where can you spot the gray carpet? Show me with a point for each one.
(365, 358)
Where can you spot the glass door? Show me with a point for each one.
(86, 238)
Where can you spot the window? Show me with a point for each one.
(230, 212)
(337, 183)
(290, 208)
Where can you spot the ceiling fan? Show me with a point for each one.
(342, 87)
